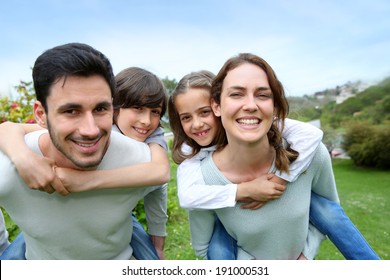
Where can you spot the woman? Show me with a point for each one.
(248, 98)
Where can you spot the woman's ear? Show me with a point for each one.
(40, 114)
(216, 108)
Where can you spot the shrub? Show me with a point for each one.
(368, 145)
(20, 109)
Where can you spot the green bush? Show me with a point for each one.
(368, 145)
(20, 109)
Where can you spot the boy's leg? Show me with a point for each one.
(16, 250)
(222, 246)
(4, 243)
(329, 218)
(143, 248)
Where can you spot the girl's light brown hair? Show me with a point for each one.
(200, 80)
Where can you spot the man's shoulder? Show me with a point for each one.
(123, 151)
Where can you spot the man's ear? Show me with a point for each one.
(216, 108)
(40, 114)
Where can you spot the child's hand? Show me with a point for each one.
(260, 190)
(252, 205)
(74, 180)
(38, 172)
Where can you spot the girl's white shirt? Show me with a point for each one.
(193, 193)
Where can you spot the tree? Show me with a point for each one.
(170, 85)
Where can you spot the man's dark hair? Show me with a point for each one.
(74, 59)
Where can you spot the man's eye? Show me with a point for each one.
(70, 112)
(101, 109)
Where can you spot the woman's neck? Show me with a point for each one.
(241, 163)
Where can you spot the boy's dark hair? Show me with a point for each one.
(137, 87)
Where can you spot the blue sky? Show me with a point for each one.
(312, 45)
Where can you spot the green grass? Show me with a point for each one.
(364, 195)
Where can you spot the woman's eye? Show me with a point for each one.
(264, 96)
(235, 94)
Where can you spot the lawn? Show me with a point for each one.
(364, 195)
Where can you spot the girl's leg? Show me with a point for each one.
(329, 218)
(143, 248)
(222, 246)
(16, 250)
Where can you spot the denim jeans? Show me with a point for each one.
(143, 248)
(16, 250)
(329, 218)
(222, 246)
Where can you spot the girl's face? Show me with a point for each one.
(196, 116)
(247, 105)
(138, 122)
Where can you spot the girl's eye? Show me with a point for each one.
(205, 112)
(184, 118)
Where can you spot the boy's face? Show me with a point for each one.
(79, 120)
(139, 122)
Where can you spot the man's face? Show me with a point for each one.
(79, 120)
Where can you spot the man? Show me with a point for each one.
(74, 85)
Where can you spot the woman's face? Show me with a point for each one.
(196, 116)
(247, 106)
(138, 122)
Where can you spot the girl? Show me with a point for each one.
(196, 127)
(139, 104)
